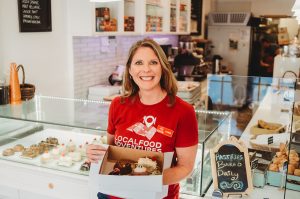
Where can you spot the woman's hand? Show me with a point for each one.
(95, 152)
(263, 64)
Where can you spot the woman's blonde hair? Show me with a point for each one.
(167, 81)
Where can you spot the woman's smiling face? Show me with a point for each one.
(145, 69)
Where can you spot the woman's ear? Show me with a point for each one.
(129, 72)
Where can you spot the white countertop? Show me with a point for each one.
(269, 110)
(267, 192)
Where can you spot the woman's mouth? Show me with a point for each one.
(146, 78)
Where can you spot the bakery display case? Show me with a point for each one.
(42, 141)
(266, 118)
(53, 132)
(213, 128)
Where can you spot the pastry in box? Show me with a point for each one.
(131, 173)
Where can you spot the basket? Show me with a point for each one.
(27, 90)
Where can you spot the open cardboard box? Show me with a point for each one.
(128, 186)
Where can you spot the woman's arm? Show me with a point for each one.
(263, 64)
(185, 164)
(110, 139)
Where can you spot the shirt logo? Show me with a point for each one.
(147, 129)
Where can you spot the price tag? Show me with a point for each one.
(254, 164)
(285, 166)
(270, 140)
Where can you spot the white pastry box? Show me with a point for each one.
(128, 186)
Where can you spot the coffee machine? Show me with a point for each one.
(116, 77)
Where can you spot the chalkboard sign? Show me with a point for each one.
(35, 15)
(231, 168)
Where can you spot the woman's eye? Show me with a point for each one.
(138, 63)
(153, 62)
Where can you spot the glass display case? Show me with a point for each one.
(45, 131)
(213, 128)
(50, 125)
(254, 102)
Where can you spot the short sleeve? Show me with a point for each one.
(187, 129)
(111, 125)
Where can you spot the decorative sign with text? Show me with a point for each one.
(35, 15)
(231, 168)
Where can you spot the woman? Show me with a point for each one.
(149, 116)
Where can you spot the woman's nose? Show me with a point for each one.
(146, 68)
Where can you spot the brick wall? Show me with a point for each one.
(96, 57)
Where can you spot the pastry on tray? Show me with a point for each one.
(65, 161)
(46, 157)
(264, 127)
(85, 166)
(19, 148)
(8, 152)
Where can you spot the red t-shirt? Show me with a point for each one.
(156, 127)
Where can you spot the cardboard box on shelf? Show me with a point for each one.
(283, 39)
(128, 186)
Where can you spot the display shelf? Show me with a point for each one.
(141, 17)
(63, 138)
(173, 16)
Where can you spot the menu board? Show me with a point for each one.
(34, 15)
(231, 168)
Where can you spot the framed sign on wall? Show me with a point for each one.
(35, 15)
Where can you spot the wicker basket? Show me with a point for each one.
(27, 90)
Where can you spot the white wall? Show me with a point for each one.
(291, 24)
(271, 7)
(93, 63)
(257, 7)
(231, 5)
(44, 55)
